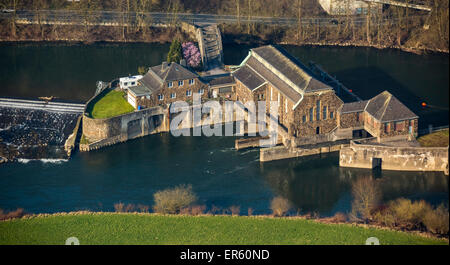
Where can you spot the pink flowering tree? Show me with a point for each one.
(191, 54)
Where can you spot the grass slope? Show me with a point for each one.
(436, 139)
(110, 228)
(110, 105)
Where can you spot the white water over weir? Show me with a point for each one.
(42, 105)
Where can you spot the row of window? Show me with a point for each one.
(201, 91)
(317, 111)
(181, 83)
(131, 83)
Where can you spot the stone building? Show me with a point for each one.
(310, 110)
(306, 106)
(381, 116)
(164, 84)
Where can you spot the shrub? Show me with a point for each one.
(249, 211)
(215, 210)
(339, 217)
(409, 214)
(119, 207)
(124, 208)
(11, 215)
(171, 201)
(436, 221)
(280, 206)
(235, 210)
(366, 197)
(143, 208)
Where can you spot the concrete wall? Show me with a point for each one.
(103, 132)
(395, 158)
(282, 152)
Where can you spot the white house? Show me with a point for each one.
(129, 81)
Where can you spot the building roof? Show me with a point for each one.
(166, 72)
(248, 77)
(290, 67)
(271, 77)
(222, 81)
(173, 72)
(139, 90)
(357, 106)
(385, 108)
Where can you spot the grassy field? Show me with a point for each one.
(436, 139)
(111, 228)
(110, 105)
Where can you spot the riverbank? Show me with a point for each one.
(261, 35)
(143, 228)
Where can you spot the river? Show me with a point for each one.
(131, 172)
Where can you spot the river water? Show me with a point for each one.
(131, 172)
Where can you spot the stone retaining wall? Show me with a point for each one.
(394, 158)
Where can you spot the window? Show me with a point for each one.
(191, 81)
(170, 84)
(311, 114)
(285, 105)
(125, 83)
(188, 93)
(304, 118)
(201, 91)
(173, 95)
(331, 115)
(133, 83)
(318, 110)
(386, 128)
(357, 116)
(180, 83)
(148, 97)
(271, 94)
(324, 114)
(160, 96)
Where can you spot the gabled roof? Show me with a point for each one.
(290, 67)
(271, 77)
(173, 72)
(248, 77)
(157, 75)
(386, 108)
(357, 106)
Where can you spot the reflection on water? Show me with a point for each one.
(318, 184)
(221, 176)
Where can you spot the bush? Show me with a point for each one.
(436, 221)
(280, 206)
(124, 208)
(250, 211)
(235, 210)
(11, 215)
(409, 214)
(171, 201)
(143, 208)
(366, 197)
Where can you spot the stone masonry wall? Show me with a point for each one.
(395, 158)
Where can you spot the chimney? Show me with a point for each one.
(164, 66)
(183, 62)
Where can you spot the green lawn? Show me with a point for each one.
(110, 105)
(110, 228)
(436, 139)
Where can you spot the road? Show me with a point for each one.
(120, 18)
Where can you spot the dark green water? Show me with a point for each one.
(133, 171)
